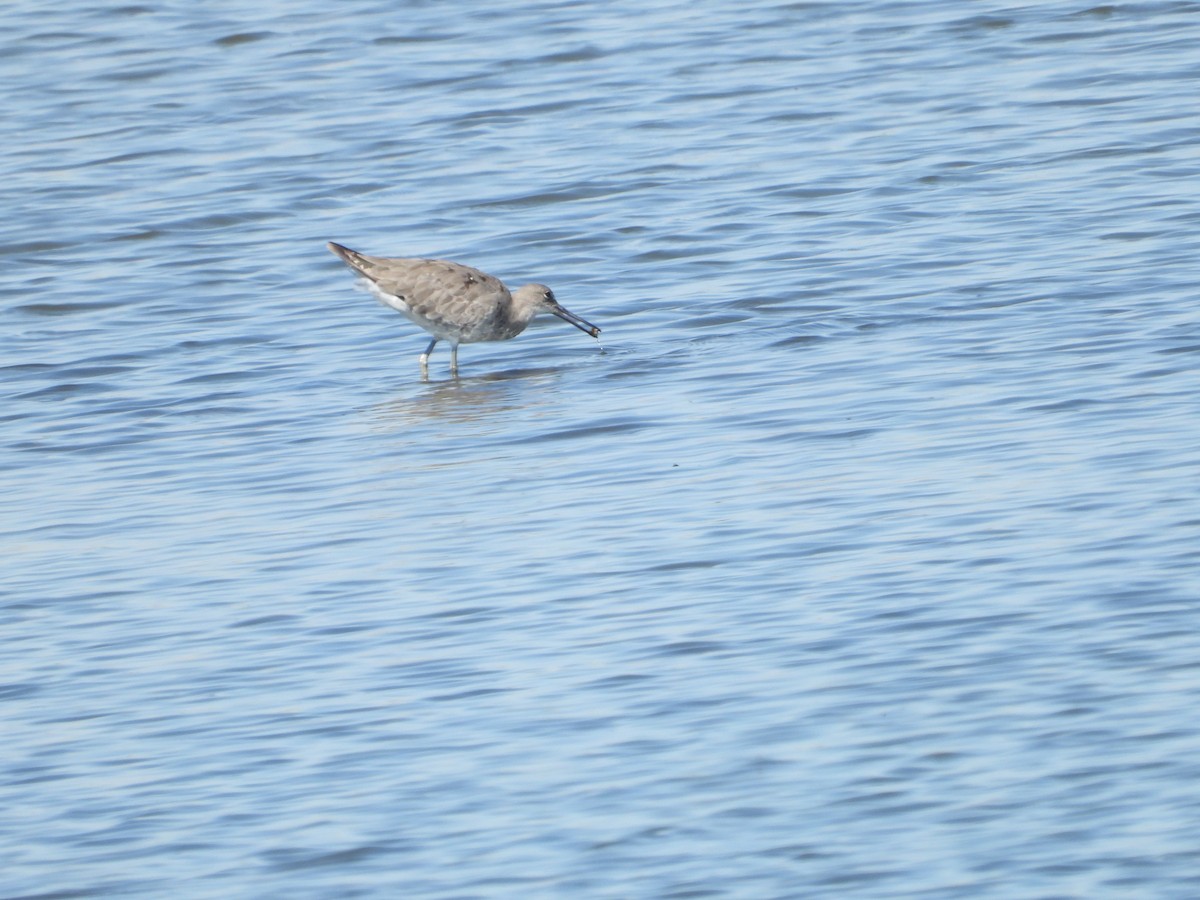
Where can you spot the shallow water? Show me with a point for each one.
(859, 559)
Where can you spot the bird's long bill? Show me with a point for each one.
(582, 324)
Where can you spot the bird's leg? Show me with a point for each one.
(424, 358)
(454, 358)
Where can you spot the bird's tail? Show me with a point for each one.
(352, 258)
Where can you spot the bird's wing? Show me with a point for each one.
(434, 290)
(442, 291)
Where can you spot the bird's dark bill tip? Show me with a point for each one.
(582, 324)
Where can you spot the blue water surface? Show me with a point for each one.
(861, 558)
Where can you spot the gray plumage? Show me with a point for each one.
(454, 302)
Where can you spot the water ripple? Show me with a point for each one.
(859, 560)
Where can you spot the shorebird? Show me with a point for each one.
(454, 302)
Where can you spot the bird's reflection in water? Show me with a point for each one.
(466, 399)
